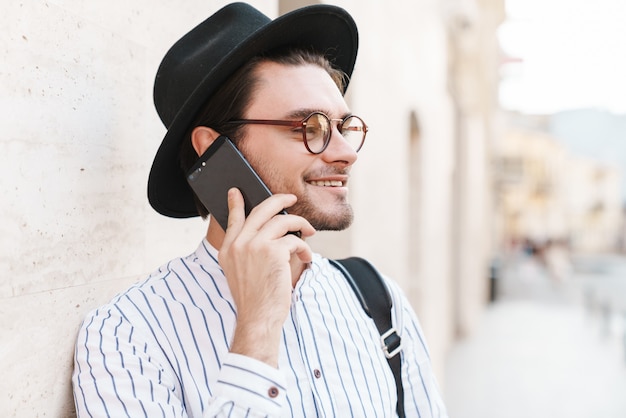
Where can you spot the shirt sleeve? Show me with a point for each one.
(119, 373)
(258, 388)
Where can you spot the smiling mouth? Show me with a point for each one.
(327, 183)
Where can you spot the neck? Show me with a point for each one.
(215, 236)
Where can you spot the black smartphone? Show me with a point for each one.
(220, 168)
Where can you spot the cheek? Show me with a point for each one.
(281, 166)
(285, 180)
(275, 175)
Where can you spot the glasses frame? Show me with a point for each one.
(302, 123)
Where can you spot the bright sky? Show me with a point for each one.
(573, 52)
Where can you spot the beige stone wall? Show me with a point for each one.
(80, 131)
(78, 136)
(473, 76)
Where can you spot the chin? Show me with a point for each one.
(335, 216)
(331, 222)
(331, 227)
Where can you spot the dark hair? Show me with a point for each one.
(231, 100)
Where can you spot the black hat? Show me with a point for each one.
(195, 67)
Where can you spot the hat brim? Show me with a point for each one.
(324, 28)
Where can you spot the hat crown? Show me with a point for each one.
(190, 59)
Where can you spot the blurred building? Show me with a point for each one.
(546, 194)
(622, 233)
(594, 132)
(594, 205)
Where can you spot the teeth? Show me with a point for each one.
(328, 183)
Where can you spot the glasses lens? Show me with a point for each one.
(353, 131)
(316, 131)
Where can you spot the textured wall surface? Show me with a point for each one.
(78, 135)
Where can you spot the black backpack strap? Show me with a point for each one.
(374, 296)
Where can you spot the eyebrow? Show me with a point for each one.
(304, 112)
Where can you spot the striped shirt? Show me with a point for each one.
(161, 349)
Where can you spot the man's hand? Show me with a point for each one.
(257, 256)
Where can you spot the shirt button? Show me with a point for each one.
(317, 373)
(273, 392)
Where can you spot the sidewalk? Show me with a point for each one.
(538, 353)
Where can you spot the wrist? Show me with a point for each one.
(257, 341)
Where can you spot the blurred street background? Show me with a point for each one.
(552, 340)
(551, 344)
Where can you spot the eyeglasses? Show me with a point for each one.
(317, 129)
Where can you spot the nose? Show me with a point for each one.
(338, 149)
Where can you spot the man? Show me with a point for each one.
(253, 323)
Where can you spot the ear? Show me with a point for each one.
(202, 137)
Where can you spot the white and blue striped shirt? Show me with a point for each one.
(161, 349)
